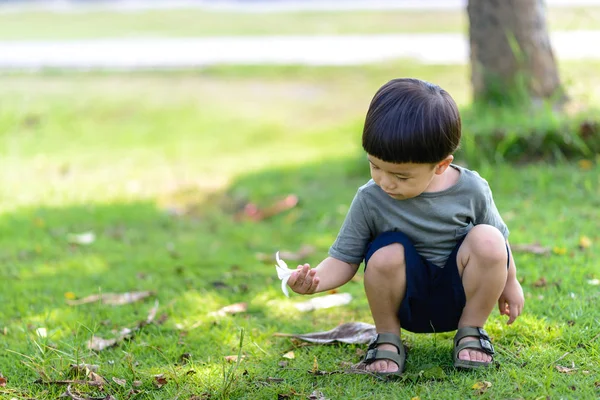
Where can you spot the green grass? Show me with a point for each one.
(184, 23)
(115, 154)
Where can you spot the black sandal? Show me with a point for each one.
(483, 344)
(374, 354)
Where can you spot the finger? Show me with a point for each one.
(502, 306)
(308, 280)
(514, 313)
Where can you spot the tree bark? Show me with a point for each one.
(511, 55)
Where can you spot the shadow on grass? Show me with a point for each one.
(202, 261)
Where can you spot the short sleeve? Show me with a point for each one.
(487, 213)
(355, 234)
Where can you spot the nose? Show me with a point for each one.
(387, 183)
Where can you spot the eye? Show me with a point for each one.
(401, 178)
(374, 167)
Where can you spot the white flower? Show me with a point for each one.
(283, 273)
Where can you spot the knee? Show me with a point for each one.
(488, 244)
(388, 258)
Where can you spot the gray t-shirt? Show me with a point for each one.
(435, 221)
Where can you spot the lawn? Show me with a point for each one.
(196, 22)
(157, 166)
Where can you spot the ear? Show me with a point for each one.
(442, 165)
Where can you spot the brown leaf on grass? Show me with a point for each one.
(2, 381)
(317, 395)
(253, 213)
(120, 382)
(98, 344)
(230, 309)
(85, 368)
(534, 248)
(160, 380)
(185, 358)
(113, 299)
(481, 387)
(233, 358)
(565, 370)
(289, 355)
(136, 383)
(202, 396)
(74, 396)
(542, 282)
(351, 332)
(304, 251)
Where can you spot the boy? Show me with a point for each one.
(434, 245)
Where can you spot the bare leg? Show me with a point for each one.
(482, 260)
(385, 286)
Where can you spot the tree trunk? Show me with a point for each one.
(511, 56)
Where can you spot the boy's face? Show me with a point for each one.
(406, 180)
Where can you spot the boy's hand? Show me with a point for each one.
(511, 300)
(303, 280)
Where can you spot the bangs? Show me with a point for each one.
(411, 121)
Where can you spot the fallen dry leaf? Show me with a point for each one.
(74, 396)
(185, 358)
(317, 395)
(273, 379)
(98, 344)
(565, 370)
(481, 387)
(253, 213)
(113, 299)
(534, 248)
(120, 382)
(2, 381)
(230, 309)
(584, 242)
(160, 380)
(315, 367)
(136, 383)
(233, 358)
(542, 282)
(327, 301)
(351, 332)
(289, 355)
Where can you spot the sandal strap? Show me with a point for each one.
(484, 343)
(481, 344)
(470, 331)
(386, 338)
(375, 354)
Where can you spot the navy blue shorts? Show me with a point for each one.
(435, 296)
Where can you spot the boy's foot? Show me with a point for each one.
(472, 348)
(473, 354)
(384, 365)
(385, 355)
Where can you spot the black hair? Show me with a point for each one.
(410, 120)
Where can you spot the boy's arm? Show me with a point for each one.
(329, 274)
(511, 300)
